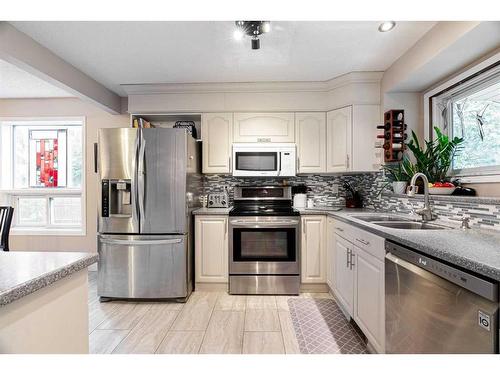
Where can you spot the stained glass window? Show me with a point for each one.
(42, 174)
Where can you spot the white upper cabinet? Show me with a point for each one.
(216, 134)
(351, 134)
(310, 132)
(339, 140)
(264, 127)
(365, 157)
(313, 249)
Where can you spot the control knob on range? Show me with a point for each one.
(223, 203)
(210, 203)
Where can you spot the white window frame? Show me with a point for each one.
(12, 194)
(431, 117)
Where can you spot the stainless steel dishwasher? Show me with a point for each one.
(432, 307)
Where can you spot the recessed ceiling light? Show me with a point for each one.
(386, 26)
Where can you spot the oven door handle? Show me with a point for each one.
(264, 224)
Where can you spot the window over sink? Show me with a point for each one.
(470, 109)
(42, 174)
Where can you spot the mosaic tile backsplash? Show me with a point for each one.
(322, 188)
(376, 194)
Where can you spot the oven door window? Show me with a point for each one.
(264, 244)
(256, 161)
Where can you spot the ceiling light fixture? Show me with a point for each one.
(386, 26)
(253, 29)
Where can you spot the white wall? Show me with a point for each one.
(95, 118)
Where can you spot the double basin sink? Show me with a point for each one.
(398, 222)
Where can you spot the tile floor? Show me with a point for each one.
(210, 322)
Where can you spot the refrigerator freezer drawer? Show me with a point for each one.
(143, 266)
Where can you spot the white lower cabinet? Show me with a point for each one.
(344, 274)
(358, 278)
(330, 252)
(211, 249)
(313, 265)
(369, 306)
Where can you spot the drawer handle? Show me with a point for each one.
(363, 241)
(339, 229)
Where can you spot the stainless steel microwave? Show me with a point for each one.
(264, 160)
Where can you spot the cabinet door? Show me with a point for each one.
(330, 252)
(310, 131)
(264, 127)
(216, 134)
(365, 157)
(344, 274)
(211, 257)
(369, 308)
(313, 250)
(339, 140)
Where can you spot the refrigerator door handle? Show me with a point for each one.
(140, 179)
(96, 153)
(140, 242)
(135, 184)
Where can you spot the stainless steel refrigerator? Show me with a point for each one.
(149, 182)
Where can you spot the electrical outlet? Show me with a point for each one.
(335, 188)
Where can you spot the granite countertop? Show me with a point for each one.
(212, 211)
(477, 250)
(22, 273)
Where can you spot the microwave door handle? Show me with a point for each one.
(279, 163)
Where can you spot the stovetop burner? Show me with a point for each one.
(263, 201)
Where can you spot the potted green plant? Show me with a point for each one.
(435, 160)
(399, 174)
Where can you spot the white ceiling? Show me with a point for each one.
(115, 53)
(17, 83)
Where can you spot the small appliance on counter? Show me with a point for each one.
(299, 196)
(299, 201)
(218, 200)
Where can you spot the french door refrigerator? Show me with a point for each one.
(149, 182)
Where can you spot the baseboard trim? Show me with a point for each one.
(211, 287)
(224, 287)
(314, 288)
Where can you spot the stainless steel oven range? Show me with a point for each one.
(264, 242)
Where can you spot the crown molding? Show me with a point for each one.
(253, 87)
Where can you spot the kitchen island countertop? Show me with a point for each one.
(22, 273)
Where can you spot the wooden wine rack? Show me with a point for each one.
(394, 135)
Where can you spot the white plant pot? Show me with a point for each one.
(399, 187)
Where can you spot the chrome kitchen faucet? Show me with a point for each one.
(425, 212)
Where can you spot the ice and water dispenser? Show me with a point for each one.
(116, 198)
